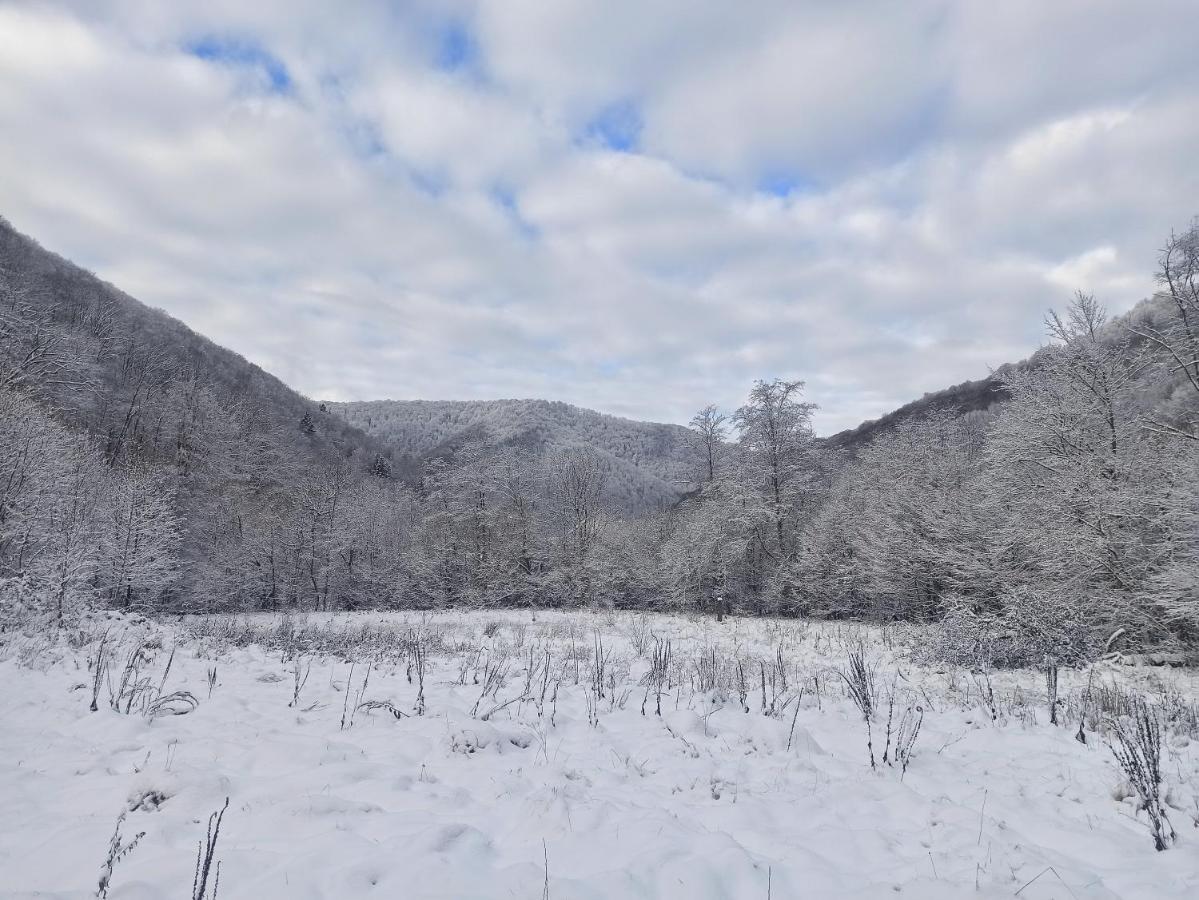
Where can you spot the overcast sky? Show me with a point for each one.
(636, 207)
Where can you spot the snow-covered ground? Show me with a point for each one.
(512, 794)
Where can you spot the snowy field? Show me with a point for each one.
(522, 771)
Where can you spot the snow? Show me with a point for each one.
(705, 801)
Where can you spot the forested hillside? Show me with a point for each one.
(147, 466)
(648, 465)
(969, 396)
(1061, 521)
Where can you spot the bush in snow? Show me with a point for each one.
(1026, 625)
(1136, 742)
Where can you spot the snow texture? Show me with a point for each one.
(530, 799)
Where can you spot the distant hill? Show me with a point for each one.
(969, 396)
(649, 464)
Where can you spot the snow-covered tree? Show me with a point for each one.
(711, 431)
(140, 541)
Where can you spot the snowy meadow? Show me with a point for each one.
(580, 755)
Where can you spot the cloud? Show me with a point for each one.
(634, 208)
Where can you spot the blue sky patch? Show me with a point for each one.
(456, 48)
(784, 184)
(505, 199)
(616, 127)
(242, 53)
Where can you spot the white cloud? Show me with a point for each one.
(389, 226)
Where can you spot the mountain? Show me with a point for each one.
(648, 464)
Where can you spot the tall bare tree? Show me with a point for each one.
(775, 438)
(709, 424)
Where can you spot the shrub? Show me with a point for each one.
(1136, 743)
(1028, 626)
(117, 851)
(859, 678)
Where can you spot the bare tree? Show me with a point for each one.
(515, 481)
(709, 423)
(1071, 484)
(141, 542)
(899, 526)
(576, 490)
(775, 438)
(35, 353)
